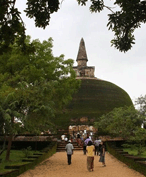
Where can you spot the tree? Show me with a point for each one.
(140, 103)
(125, 123)
(123, 20)
(33, 86)
(137, 142)
(121, 122)
(12, 27)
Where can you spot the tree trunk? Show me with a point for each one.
(9, 147)
(10, 140)
(4, 145)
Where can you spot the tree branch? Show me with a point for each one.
(109, 8)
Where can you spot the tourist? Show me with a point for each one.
(97, 143)
(65, 139)
(102, 154)
(90, 156)
(84, 148)
(62, 137)
(85, 143)
(79, 139)
(69, 149)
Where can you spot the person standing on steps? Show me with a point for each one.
(90, 156)
(69, 149)
(102, 154)
(78, 139)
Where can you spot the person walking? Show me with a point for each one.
(85, 144)
(69, 149)
(78, 140)
(90, 156)
(84, 148)
(97, 143)
(102, 154)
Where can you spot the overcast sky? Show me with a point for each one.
(72, 22)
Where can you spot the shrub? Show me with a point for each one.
(27, 151)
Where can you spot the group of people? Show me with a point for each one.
(91, 148)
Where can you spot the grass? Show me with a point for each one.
(134, 152)
(16, 157)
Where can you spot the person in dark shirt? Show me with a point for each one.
(78, 139)
(102, 154)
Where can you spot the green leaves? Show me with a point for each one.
(40, 10)
(123, 21)
(97, 5)
(12, 27)
(122, 122)
(82, 2)
(34, 86)
(141, 104)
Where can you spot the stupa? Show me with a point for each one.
(94, 98)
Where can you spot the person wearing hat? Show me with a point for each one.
(69, 149)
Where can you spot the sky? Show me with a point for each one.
(73, 22)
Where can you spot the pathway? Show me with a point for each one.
(56, 166)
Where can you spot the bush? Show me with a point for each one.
(27, 151)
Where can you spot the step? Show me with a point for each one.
(122, 152)
(64, 147)
(136, 158)
(63, 150)
(34, 156)
(38, 153)
(28, 160)
(142, 162)
(74, 149)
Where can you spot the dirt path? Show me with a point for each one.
(56, 166)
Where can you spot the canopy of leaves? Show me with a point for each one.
(124, 17)
(122, 20)
(124, 122)
(141, 103)
(11, 24)
(33, 86)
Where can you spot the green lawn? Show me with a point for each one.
(134, 152)
(16, 157)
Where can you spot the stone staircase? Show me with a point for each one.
(61, 146)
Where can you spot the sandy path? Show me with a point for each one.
(56, 166)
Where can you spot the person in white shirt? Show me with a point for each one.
(69, 149)
(97, 144)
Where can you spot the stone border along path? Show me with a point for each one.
(56, 166)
